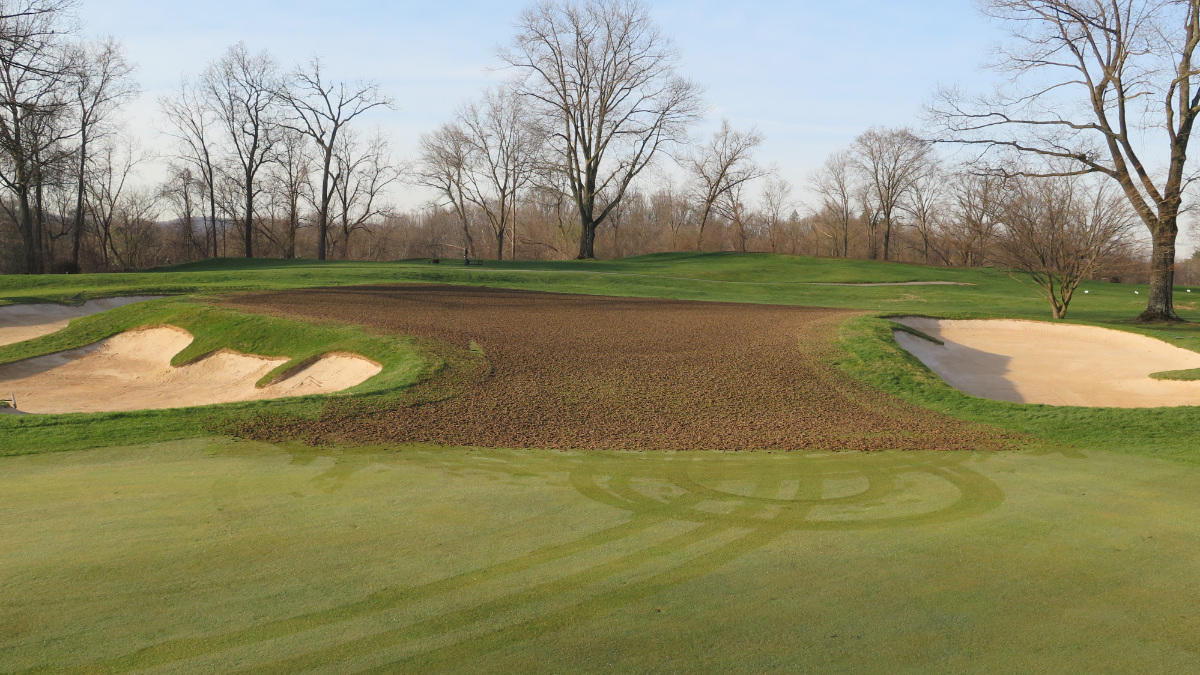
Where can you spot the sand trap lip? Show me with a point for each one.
(1054, 364)
(22, 322)
(133, 371)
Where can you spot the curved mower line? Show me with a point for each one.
(133, 371)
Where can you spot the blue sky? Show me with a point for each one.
(810, 75)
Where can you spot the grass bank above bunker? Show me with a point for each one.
(590, 372)
(296, 344)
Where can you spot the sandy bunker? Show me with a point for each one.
(24, 322)
(133, 371)
(1054, 364)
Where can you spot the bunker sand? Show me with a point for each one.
(588, 372)
(22, 322)
(133, 371)
(1054, 364)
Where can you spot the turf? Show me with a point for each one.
(218, 555)
(403, 361)
(868, 352)
(210, 554)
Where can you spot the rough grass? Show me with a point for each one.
(872, 355)
(214, 328)
(214, 556)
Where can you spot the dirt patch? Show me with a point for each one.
(590, 372)
(1054, 364)
(22, 322)
(133, 371)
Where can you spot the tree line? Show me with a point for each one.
(587, 150)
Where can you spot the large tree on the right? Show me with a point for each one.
(1097, 86)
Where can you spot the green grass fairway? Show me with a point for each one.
(149, 541)
(212, 555)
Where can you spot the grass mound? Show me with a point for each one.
(214, 328)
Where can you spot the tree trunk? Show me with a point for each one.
(249, 217)
(1161, 307)
(500, 245)
(587, 240)
(39, 226)
(77, 234)
(323, 213)
(887, 236)
(293, 225)
(33, 252)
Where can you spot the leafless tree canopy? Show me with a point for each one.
(1101, 86)
(322, 109)
(568, 159)
(889, 163)
(719, 171)
(1058, 231)
(243, 90)
(603, 76)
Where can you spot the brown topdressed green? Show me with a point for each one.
(591, 372)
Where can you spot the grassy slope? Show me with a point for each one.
(748, 278)
(213, 328)
(218, 555)
(228, 556)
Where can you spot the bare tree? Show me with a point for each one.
(503, 148)
(1057, 230)
(33, 109)
(922, 205)
(603, 76)
(720, 168)
(972, 221)
(291, 169)
(99, 83)
(835, 184)
(776, 204)
(107, 191)
(732, 206)
(244, 91)
(671, 210)
(192, 117)
(364, 172)
(322, 110)
(443, 165)
(889, 162)
(184, 193)
(1107, 84)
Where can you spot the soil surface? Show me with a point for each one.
(589, 372)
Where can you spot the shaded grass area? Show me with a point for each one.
(190, 556)
(872, 355)
(213, 328)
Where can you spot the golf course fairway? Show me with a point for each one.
(191, 556)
